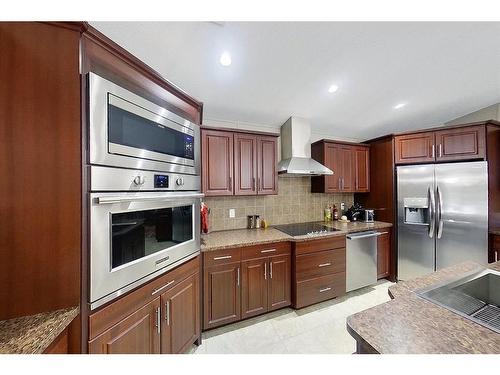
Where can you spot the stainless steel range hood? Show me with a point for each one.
(296, 150)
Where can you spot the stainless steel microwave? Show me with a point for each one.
(128, 131)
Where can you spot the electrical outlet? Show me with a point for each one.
(342, 206)
(232, 212)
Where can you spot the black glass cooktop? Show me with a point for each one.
(303, 229)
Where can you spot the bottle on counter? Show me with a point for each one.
(328, 213)
(335, 213)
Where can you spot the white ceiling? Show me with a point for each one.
(441, 70)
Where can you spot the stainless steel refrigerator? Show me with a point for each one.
(442, 216)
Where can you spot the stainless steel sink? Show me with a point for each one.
(475, 297)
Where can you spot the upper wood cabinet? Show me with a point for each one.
(453, 144)
(236, 163)
(350, 164)
(460, 143)
(217, 162)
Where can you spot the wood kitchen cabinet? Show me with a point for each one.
(384, 253)
(448, 144)
(139, 333)
(222, 295)
(217, 162)
(162, 316)
(238, 163)
(318, 270)
(349, 162)
(180, 316)
(244, 282)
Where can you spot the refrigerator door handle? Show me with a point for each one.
(439, 199)
(432, 206)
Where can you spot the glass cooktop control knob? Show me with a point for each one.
(139, 180)
(179, 181)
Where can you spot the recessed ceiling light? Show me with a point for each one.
(400, 105)
(225, 59)
(333, 88)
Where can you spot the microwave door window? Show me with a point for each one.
(128, 129)
(138, 234)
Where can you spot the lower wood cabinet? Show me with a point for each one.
(162, 316)
(318, 270)
(244, 282)
(222, 296)
(384, 253)
(139, 333)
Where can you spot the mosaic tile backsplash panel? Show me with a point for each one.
(294, 204)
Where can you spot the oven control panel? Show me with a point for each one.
(161, 181)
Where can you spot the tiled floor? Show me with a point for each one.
(316, 329)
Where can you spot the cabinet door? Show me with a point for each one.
(245, 164)
(415, 148)
(139, 333)
(267, 152)
(279, 282)
(362, 169)
(217, 162)
(383, 254)
(221, 286)
(348, 169)
(333, 160)
(460, 144)
(254, 275)
(180, 316)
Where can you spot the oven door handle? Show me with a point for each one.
(169, 197)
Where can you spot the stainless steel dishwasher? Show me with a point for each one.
(361, 259)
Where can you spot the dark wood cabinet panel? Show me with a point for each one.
(222, 298)
(319, 289)
(245, 164)
(383, 253)
(415, 148)
(180, 318)
(139, 333)
(460, 144)
(40, 146)
(267, 174)
(254, 275)
(279, 291)
(320, 263)
(217, 162)
(362, 165)
(349, 163)
(251, 157)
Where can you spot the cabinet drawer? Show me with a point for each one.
(259, 251)
(224, 256)
(328, 243)
(319, 289)
(314, 265)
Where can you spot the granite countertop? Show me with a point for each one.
(411, 325)
(34, 333)
(247, 237)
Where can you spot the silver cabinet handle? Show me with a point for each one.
(271, 269)
(324, 264)
(158, 320)
(265, 271)
(383, 233)
(259, 182)
(440, 150)
(433, 151)
(167, 312)
(432, 206)
(238, 277)
(230, 183)
(325, 290)
(268, 251)
(254, 184)
(163, 287)
(224, 257)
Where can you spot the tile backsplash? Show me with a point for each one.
(294, 204)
